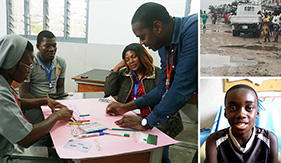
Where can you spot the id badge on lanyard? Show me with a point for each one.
(48, 74)
(136, 111)
(169, 70)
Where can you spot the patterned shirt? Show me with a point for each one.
(140, 92)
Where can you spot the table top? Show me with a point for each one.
(104, 145)
(94, 75)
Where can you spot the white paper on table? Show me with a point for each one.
(78, 145)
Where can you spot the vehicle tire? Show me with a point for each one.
(234, 33)
(257, 34)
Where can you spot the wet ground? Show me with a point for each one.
(225, 55)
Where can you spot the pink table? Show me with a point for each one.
(103, 146)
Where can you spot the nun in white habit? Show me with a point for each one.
(16, 56)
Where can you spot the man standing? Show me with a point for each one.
(176, 40)
(47, 76)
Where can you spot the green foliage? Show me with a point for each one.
(221, 8)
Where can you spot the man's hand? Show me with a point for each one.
(54, 104)
(129, 121)
(64, 114)
(116, 108)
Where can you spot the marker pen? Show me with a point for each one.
(91, 134)
(116, 133)
(75, 123)
(124, 129)
(84, 115)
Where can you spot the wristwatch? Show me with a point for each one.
(144, 124)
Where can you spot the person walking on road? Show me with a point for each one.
(204, 16)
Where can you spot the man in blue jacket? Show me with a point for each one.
(176, 40)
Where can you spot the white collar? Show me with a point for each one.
(248, 145)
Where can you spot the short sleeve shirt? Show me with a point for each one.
(13, 127)
(38, 79)
(256, 150)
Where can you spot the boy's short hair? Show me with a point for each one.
(240, 86)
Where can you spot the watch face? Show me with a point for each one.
(144, 122)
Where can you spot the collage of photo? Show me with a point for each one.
(150, 81)
(240, 81)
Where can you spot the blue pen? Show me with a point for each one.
(91, 134)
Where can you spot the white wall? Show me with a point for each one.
(211, 97)
(109, 31)
(110, 20)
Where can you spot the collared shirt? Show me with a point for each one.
(184, 78)
(38, 79)
(13, 127)
(229, 150)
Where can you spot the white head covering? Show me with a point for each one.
(12, 48)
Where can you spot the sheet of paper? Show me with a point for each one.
(78, 145)
(106, 145)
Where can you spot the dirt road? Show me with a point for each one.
(225, 55)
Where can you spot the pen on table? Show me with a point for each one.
(75, 123)
(116, 133)
(74, 119)
(84, 121)
(124, 129)
(84, 115)
(66, 108)
(91, 134)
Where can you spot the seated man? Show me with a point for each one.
(47, 76)
(48, 73)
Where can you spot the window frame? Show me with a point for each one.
(65, 38)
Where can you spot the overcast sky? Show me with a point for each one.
(194, 6)
(204, 4)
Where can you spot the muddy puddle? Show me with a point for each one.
(254, 47)
(215, 60)
(208, 31)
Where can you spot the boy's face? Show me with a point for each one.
(241, 110)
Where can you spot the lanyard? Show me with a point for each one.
(48, 74)
(136, 85)
(18, 104)
(169, 70)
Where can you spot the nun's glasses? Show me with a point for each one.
(29, 67)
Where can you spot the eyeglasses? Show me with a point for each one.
(29, 67)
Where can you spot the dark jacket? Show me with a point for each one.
(121, 84)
